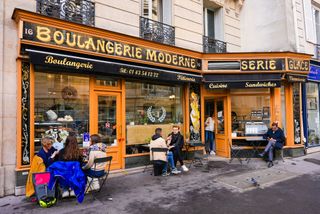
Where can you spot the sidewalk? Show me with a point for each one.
(130, 193)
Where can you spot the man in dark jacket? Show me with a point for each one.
(275, 138)
(176, 141)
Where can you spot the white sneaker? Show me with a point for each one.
(175, 171)
(184, 168)
(212, 153)
(65, 194)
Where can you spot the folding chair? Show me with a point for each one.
(101, 179)
(235, 150)
(153, 150)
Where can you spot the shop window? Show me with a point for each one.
(297, 112)
(149, 106)
(61, 107)
(313, 114)
(250, 114)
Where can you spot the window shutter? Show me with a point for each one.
(308, 20)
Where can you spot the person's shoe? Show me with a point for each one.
(184, 168)
(212, 153)
(165, 174)
(270, 164)
(175, 171)
(261, 155)
(65, 194)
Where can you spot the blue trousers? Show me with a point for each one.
(269, 149)
(210, 138)
(170, 161)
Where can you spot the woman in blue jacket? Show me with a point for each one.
(275, 138)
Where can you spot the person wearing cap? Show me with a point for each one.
(275, 138)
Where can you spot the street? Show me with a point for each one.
(289, 187)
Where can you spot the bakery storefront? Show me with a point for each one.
(75, 79)
(246, 92)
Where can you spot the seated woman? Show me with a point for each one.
(47, 152)
(275, 138)
(41, 162)
(71, 151)
(97, 149)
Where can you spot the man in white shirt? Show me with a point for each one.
(210, 136)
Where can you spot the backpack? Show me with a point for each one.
(45, 196)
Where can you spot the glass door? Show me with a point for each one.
(107, 124)
(220, 128)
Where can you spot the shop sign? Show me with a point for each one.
(250, 84)
(298, 65)
(314, 73)
(262, 64)
(75, 40)
(293, 78)
(81, 64)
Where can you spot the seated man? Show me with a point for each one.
(158, 142)
(275, 138)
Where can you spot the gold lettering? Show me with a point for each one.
(79, 42)
(138, 53)
(58, 37)
(252, 65)
(161, 57)
(151, 55)
(260, 64)
(126, 50)
(110, 47)
(181, 61)
(187, 62)
(101, 46)
(118, 47)
(272, 65)
(89, 43)
(193, 63)
(168, 58)
(43, 34)
(174, 60)
(69, 42)
(244, 65)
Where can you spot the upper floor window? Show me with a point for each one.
(155, 21)
(152, 9)
(79, 11)
(213, 30)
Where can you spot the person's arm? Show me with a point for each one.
(90, 162)
(266, 135)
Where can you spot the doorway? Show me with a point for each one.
(218, 107)
(106, 121)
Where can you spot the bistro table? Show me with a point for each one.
(255, 142)
(196, 157)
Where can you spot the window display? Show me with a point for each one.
(313, 114)
(250, 114)
(149, 106)
(61, 107)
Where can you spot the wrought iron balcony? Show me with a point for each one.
(157, 31)
(211, 45)
(79, 11)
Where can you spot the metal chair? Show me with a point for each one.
(101, 179)
(153, 150)
(235, 150)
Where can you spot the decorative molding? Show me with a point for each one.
(25, 114)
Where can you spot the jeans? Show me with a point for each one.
(177, 156)
(92, 173)
(170, 161)
(269, 148)
(210, 137)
